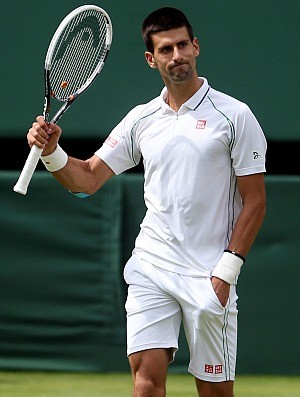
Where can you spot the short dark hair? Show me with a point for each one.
(165, 18)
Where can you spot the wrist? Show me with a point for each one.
(56, 160)
(236, 254)
(228, 267)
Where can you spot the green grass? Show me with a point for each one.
(49, 384)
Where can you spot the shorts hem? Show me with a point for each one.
(153, 346)
(211, 378)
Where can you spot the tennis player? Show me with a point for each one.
(204, 160)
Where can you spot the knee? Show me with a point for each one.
(149, 369)
(147, 387)
(218, 389)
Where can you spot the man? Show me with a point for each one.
(204, 159)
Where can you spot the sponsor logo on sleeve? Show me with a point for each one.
(256, 155)
(111, 141)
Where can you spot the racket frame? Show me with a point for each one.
(48, 64)
(35, 152)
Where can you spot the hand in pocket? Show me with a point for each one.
(221, 289)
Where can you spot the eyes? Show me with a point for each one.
(169, 48)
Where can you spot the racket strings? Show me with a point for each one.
(77, 58)
(75, 54)
(79, 50)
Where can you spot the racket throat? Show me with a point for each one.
(46, 110)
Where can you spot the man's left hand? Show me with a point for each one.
(221, 289)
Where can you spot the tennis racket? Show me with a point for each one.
(75, 57)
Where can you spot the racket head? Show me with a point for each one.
(77, 52)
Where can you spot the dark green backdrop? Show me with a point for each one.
(62, 291)
(249, 49)
(61, 288)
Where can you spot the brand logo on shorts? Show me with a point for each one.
(111, 141)
(201, 124)
(213, 369)
(209, 369)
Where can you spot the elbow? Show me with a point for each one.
(84, 191)
(256, 209)
(94, 185)
(261, 209)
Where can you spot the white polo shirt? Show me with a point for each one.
(191, 160)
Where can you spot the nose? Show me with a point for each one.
(176, 55)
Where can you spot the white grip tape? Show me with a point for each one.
(28, 170)
(228, 267)
(56, 160)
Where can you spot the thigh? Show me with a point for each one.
(211, 331)
(153, 315)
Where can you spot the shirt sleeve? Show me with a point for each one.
(249, 145)
(119, 151)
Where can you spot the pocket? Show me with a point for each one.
(215, 296)
(132, 270)
(128, 269)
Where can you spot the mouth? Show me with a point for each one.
(178, 65)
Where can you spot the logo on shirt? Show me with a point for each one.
(201, 124)
(111, 141)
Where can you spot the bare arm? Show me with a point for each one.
(84, 176)
(77, 175)
(252, 190)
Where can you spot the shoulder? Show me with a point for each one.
(223, 101)
(132, 119)
(142, 111)
(231, 108)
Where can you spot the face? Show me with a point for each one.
(174, 55)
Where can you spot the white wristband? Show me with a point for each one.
(228, 267)
(56, 160)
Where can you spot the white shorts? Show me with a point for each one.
(159, 300)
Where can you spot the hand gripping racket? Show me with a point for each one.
(75, 57)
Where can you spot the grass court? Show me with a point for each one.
(54, 384)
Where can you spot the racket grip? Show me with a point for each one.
(28, 170)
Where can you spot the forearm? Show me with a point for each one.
(246, 228)
(242, 238)
(77, 175)
(253, 196)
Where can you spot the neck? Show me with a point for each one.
(179, 93)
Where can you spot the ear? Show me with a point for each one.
(150, 59)
(196, 46)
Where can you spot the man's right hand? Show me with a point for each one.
(44, 135)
